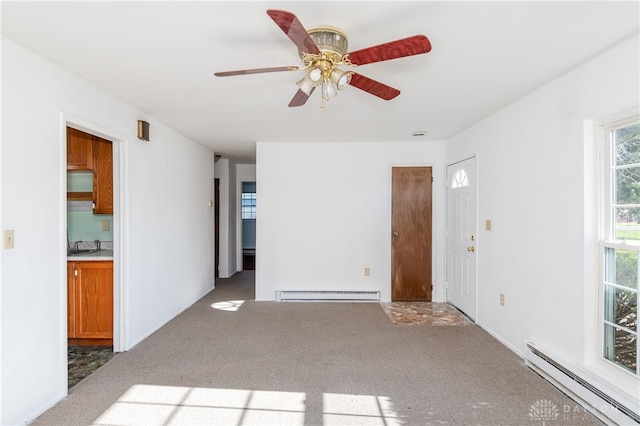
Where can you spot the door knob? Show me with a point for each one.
(395, 233)
(471, 249)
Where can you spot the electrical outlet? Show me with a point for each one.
(502, 299)
(105, 225)
(9, 239)
(367, 271)
(487, 224)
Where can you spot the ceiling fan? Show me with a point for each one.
(323, 49)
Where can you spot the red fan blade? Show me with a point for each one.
(289, 23)
(254, 71)
(300, 98)
(409, 46)
(374, 87)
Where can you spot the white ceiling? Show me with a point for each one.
(160, 57)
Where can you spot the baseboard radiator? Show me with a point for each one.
(595, 400)
(327, 296)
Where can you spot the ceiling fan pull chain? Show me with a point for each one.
(322, 96)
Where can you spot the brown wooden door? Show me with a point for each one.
(411, 233)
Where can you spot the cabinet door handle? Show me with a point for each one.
(75, 272)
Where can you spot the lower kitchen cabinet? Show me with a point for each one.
(90, 302)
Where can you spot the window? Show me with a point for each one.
(248, 205)
(459, 179)
(621, 245)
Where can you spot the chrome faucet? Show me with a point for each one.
(97, 244)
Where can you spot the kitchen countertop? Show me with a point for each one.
(98, 255)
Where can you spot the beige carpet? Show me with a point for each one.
(229, 360)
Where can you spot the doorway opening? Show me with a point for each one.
(248, 215)
(92, 228)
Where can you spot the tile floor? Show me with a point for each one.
(84, 360)
(424, 313)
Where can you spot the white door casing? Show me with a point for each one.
(462, 236)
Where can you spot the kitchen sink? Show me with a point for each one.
(71, 252)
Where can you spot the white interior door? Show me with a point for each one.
(462, 236)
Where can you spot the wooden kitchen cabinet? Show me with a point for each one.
(102, 176)
(90, 302)
(89, 152)
(79, 150)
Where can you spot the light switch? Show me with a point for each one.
(8, 239)
(105, 225)
(487, 225)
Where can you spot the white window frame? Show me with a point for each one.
(248, 212)
(607, 229)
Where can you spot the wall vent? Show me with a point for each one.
(327, 296)
(589, 395)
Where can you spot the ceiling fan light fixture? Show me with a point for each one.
(314, 74)
(328, 90)
(306, 85)
(340, 78)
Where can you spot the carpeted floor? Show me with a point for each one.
(84, 360)
(229, 360)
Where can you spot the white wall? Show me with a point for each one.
(325, 214)
(167, 225)
(537, 177)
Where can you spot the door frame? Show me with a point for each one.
(120, 229)
(239, 224)
(446, 225)
(216, 201)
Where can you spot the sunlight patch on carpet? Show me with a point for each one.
(228, 305)
(179, 405)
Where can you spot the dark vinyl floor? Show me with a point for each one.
(84, 360)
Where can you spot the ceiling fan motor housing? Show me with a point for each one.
(329, 39)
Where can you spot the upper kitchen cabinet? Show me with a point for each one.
(92, 153)
(102, 176)
(79, 150)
